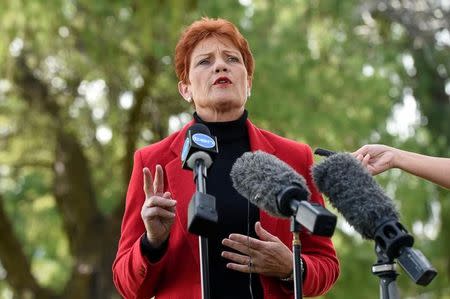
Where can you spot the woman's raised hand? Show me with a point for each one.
(158, 210)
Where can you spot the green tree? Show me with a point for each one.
(83, 84)
(77, 73)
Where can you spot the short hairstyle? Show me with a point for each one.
(202, 29)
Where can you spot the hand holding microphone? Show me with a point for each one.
(376, 158)
(354, 193)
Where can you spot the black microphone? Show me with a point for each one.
(323, 152)
(275, 187)
(199, 150)
(198, 144)
(352, 190)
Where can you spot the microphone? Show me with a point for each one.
(199, 144)
(199, 150)
(275, 187)
(323, 152)
(352, 190)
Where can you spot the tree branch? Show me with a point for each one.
(33, 164)
(74, 190)
(33, 90)
(420, 20)
(85, 226)
(15, 262)
(132, 129)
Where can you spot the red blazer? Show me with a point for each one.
(177, 274)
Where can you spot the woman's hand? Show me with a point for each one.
(268, 256)
(158, 210)
(377, 158)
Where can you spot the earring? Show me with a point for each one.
(249, 93)
(189, 99)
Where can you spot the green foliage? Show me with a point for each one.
(328, 73)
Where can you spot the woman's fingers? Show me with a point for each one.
(155, 212)
(153, 186)
(365, 161)
(158, 183)
(264, 234)
(241, 263)
(156, 201)
(148, 190)
(268, 255)
(241, 244)
(237, 258)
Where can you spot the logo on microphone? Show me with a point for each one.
(185, 150)
(203, 140)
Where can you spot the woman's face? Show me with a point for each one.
(219, 84)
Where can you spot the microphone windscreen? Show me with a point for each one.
(260, 177)
(200, 155)
(352, 190)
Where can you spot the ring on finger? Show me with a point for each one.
(250, 264)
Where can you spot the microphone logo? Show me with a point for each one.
(185, 150)
(203, 140)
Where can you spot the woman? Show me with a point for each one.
(157, 256)
(378, 158)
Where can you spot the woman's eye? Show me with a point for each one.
(203, 61)
(233, 59)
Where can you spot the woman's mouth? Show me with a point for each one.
(222, 81)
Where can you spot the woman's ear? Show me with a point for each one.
(184, 91)
(249, 87)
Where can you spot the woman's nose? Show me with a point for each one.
(221, 67)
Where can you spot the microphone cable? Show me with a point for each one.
(248, 247)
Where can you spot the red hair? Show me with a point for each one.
(202, 29)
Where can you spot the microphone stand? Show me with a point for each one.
(385, 269)
(199, 178)
(296, 250)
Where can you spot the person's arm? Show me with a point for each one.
(134, 274)
(378, 158)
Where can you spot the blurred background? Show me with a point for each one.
(84, 83)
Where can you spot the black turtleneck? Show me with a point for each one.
(232, 208)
